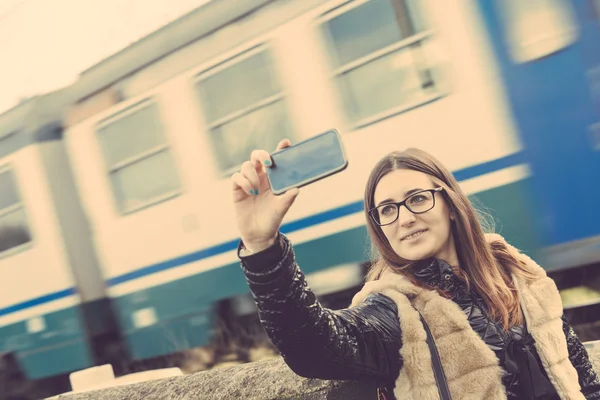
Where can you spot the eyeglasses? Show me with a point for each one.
(417, 203)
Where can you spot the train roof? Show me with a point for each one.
(38, 118)
(190, 27)
(41, 117)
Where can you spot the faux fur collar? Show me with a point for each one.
(471, 368)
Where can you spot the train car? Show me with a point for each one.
(156, 131)
(549, 57)
(52, 296)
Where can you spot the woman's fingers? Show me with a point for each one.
(248, 179)
(249, 172)
(240, 182)
(283, 144)
(260, 158)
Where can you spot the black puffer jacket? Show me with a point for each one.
(364, 342)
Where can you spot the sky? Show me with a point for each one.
(45, 44)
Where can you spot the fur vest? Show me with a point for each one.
(471, 367)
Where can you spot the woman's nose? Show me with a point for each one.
(405, 217)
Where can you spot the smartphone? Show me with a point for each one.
(307, 162)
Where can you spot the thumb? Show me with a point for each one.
(287, 199)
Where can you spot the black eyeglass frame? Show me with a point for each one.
(403, 203)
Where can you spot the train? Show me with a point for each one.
(116, 221)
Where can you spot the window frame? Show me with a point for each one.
(338, 71)
(149, 101)
(554, 39)
(20, 205)
(217, 67)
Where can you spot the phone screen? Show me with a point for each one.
(307, 162)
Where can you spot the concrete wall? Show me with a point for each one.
(262, 380)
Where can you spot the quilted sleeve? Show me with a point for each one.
(588, 379)
(361, 342)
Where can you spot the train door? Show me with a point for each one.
(548, 52)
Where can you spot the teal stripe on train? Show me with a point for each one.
(183, 307)
(66, 358)
(61, 347)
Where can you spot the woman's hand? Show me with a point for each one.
(259, 212)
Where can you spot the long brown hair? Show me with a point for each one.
(486, 266)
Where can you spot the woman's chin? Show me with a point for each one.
(415, 254)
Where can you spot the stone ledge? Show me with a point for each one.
(261, 380)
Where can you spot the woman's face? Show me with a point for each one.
(416, 236)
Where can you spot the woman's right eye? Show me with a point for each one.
(387, 210)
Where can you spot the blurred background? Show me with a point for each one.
(121, 123)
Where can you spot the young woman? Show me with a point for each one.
(446, 310)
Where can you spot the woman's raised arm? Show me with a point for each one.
(362, 342)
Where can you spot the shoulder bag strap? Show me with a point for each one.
(438, 370)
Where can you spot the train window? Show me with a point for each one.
(537, 28)
(14, 230)
(243, 104)
(141, 167)
(380, 57)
